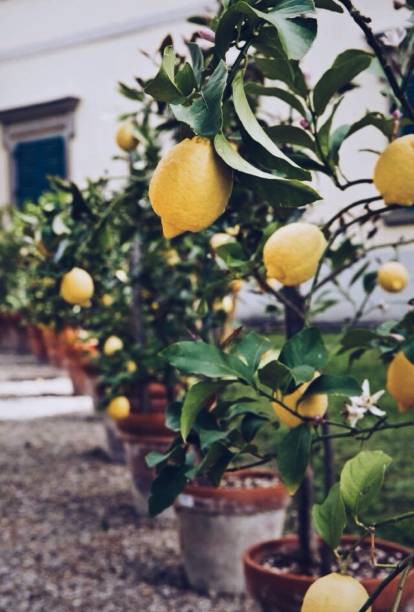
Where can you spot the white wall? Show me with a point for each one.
(50, 49)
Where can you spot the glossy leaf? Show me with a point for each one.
(329, 5)
(195, 400)
(250, 348)
(166, 487)
(290, 134)
(293, 456)
(205, 114)
(362, 478)
(289, 72)
(345, 68)
(305, 348)
(275, 375)
(277, 92)
(334, 385)
(163, 86)
(330, 517)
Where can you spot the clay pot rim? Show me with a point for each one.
(137, 428)
(250, 562)
(247, 496)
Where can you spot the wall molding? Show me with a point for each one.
(96, 35)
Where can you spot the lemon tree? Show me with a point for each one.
(217, 92)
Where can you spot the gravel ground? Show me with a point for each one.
(69, 538)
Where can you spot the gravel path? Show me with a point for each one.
(69, 538)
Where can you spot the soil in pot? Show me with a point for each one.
(216, 525)
(274, 580)
(142, 434)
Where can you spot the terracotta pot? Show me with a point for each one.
(216, 525)
(142, 434)
(284, 592)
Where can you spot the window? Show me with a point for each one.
(37, 140)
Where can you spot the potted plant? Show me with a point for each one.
(220, 105)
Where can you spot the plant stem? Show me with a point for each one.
(362, 22)
(400, 568)
(401, 585)
(326, 552)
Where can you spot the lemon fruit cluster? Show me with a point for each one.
(77, 286)
(292, 253)
(335, 593)
(313, 406)
(393, 174)
(393, 276)
(112, 345)
(400, 381)
(119, 407)
(125, 137)
(190, 187)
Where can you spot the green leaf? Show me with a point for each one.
(288, 72)
(290, 134)
(195, 400)
(294, 190)
(250, 348)
(277, 92)
(206, 360)
(185, 80)
(295, 33)
(205, 113)
(330, 517)
(305, 348)
(163, 87)
(346, 67)
(233, 255)
(302, 373)
(329, 5)
(334, 385)
(275, 375)
(166, 487)
(354, 338)
(293, 456)
(362, 478)
(254, 129)
(369, 281)
(197, 61)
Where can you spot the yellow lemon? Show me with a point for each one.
(112, 345)
(77, 286)
(119, 407)
(233, 231)
(393, 174)
(291, 255)
(107, 300)
(190, 187)
(400, 381)
(312, 406)
(219, 239)
(393, 276)
(125, 138)
(236, 284)
(335, 593)
(131, 366)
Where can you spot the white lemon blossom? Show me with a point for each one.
(362, 404)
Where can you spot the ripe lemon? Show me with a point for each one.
(112, 344)
(393, 276)
(312, 406)
(393, 174)
(125, 138)
(107, 300)
(119, 407)
(400, 381)
(236, 284)
(77, 286)
(131, 366)
(291, 255)
(190, 187)
(335, 593)
(219, 239)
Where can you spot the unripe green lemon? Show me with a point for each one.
(291, 255)
(393, 276)
(190, 187)
(77, 286)
(393, 174)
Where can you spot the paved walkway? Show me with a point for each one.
(30, 390)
